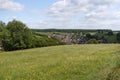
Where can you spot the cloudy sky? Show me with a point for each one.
(63, 14)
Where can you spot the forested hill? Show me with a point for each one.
(71, 30)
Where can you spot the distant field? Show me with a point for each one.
(69, 62)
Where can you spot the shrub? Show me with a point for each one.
(92, 41)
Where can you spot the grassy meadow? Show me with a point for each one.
(69, 62)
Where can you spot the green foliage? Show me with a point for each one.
(71, 30)
(88, 35)
(42, 41)
(108, 37)
(16, 35)
(3, 31)
(20, 36)
(111, 39)
(118, 37)
(110, 33)
(92, 41)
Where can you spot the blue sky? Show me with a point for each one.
(63, 14)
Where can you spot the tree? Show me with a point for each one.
(2, 30)
(118, 37)
(92, 41)
(110, 33)
(3, 33)
(88, 35)
(20, 36)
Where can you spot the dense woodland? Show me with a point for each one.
(16, 35)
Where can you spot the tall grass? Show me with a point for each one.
(69, 62)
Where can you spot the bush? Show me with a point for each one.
(92, 41)
(20, 36)
(118, 37)
(42, 41)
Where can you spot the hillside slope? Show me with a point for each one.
(69, 62)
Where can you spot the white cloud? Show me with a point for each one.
(72, 7)
(10, 5)
(13, 17)
(84, 14)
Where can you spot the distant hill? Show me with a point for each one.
(70, 30)
(81, 36)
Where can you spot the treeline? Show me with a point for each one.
(71, 30)
(103, 37)
(106, 37)
(16, 35)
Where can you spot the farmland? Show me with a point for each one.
(68, 62)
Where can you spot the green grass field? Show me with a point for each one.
(69, 62)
